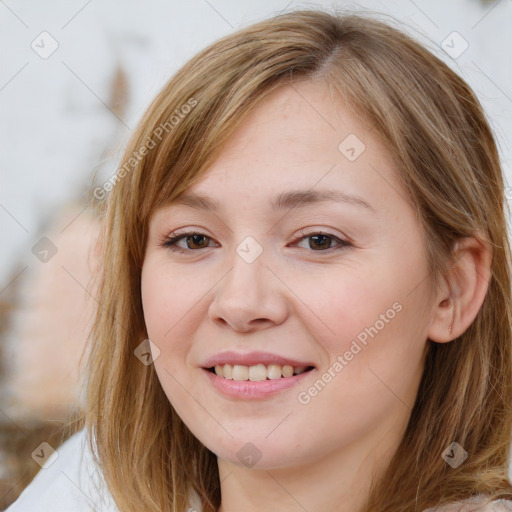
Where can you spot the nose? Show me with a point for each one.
(249, 297)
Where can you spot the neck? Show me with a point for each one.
(339, 482)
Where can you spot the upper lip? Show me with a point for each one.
(251, 359)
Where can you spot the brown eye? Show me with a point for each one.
(319, 242)
(193, 242)
(322, 242)
(197, 240)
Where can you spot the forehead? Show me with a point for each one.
(296, 140)
(299, 146)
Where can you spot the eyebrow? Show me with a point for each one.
(285, 200)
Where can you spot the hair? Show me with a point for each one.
(445, 155)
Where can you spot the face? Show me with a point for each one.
(330, 281)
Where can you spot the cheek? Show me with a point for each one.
(370, 320)
(154, 303)
(163, 308)
(341, 305)
(165, 299)
(172, 307)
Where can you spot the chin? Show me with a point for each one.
(255, 452)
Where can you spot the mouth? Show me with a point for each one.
(258, 372)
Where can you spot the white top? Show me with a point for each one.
(73, 482)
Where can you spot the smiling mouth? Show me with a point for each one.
(257, 372)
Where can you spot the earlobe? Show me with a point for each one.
(467, 282)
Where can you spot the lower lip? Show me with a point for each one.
(246, 389)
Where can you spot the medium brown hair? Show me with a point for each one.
(444, 152)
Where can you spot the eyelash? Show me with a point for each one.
(170, 241)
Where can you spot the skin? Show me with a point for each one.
(295, 300)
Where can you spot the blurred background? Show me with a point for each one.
(75, 78)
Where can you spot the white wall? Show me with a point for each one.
(56, 130)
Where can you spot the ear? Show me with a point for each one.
(464, 290)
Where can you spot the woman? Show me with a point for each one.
(306, 288)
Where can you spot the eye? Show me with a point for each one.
(323, 241)
(319, 241)
(191, 239)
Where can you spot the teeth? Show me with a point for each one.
(240, 372)
(287, 370)
(257, 372)
(227, 371)
(274, 371)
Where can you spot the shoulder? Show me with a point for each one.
(72, 481)
(477, 504)
(69, 480)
